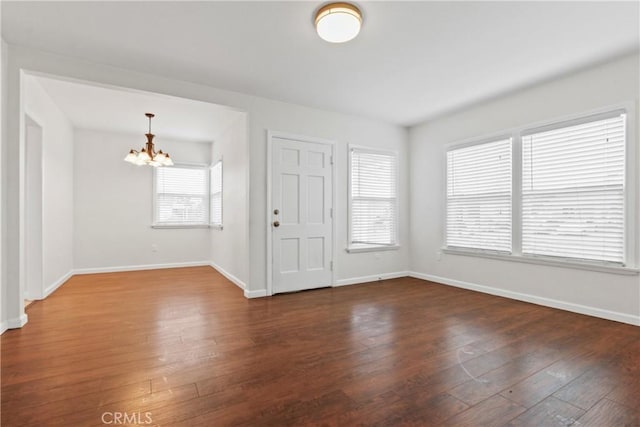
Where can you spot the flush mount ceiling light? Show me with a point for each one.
(148, 155)
(338, 22)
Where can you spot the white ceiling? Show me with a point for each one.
(121, 110)
(411, 61)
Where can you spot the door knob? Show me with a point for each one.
(276, 223)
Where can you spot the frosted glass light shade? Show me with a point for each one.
(140, 161)
(131, 157)
(338, 22)
(143, 156)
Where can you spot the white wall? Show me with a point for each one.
(229, 245)
(343, 130)
(11, 184)
(3, 139)
(113, 205)
(57, 186)
(33, 287)
(609, 295)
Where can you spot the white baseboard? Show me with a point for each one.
(255, 294)
(117, 269)
(371, 278)
(342, 282)
(548, 302)
(239, 283)
(55, 285)
(17, 322)
(3, 327)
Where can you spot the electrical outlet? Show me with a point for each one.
(438, 255)
(154, 248)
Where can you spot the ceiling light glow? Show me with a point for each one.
(338, 22)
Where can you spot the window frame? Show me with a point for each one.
(631, 238)
(221, 224)
(159, 225)
(359, 247)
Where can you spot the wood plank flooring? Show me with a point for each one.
(183, 347)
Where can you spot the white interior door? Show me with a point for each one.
(301, 215)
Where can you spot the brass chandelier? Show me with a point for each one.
(147, 155)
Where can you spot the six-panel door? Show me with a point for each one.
(301, 214)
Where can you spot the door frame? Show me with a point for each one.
(271, 134)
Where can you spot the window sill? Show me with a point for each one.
(371, 248)
(215, 226)
(179, 226)
(628, 271)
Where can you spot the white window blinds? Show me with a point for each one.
(181, 194)
(573, 191)
(216, 194)
(479, 196)
(373, 197)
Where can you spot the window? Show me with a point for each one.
(215, 197)
(573, 190)
(479, 196)
(181, 196)
(564, 197)
(372, 199)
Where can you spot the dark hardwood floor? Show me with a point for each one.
(183, 347)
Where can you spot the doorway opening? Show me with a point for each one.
(82, 209)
